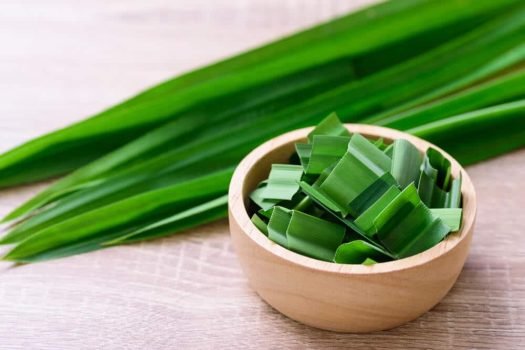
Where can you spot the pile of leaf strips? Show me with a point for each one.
(352, 200)
(451, 71)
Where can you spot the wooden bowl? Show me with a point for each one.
(340, 297)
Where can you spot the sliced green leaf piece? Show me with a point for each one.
(304, 152)
(356, 171)
(260, 224)
(357, 252)
(380, 143)
(314, 237)
(450, 217)
(329, 126)
(454, 195)
(406, 161)
(371, 194)
(331, 208)
(283, 182)
(365, 221)
(278, 225)
(266, 213)
(438, 161)
(368, 154)
(406, 226)
(369, 262)
(433, 195)
(258, 197)
(326, 150)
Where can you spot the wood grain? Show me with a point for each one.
(62, 60)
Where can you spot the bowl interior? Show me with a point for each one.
(256, 167)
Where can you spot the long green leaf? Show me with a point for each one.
(411, 68)
(123, 215)
(217, 88)
(478, 135)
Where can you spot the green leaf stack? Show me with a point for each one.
(451, 72)
(366, 204)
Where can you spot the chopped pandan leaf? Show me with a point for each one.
(260, 224)
(389, 150)
(357, 170)
(304, 204)
(265, 213)
(406, 161)
(330, 126)
(331, 208)
(304, 152)
(454, 195)
(325, 151)
(380, 143)
(283, 182)
(442, 165)
(319, 196)
(356, 252)
(257, 196)
(371, 194)
(369, 262)
(278, 225)
(367, 153)
(314, 237)
(431, 193)
(365, 221)
(450, 217)
(407, 227)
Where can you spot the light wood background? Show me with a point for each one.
(61, 60)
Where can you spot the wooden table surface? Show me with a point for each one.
(62, 60)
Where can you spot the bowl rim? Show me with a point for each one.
(239, 213)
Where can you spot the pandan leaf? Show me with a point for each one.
(329, 126)
(278, 225)
(359, 252)
(406, 161)
(432, 180)
(368, 154)
(319, 196)
(325, 203)
(454, 195)
(450, 217)
(266, 213)
(259, 198)
(478, 135)
(260, 224)
(283, 182)
(132, 153)
(314, 237)
(325, 151)
(371, 194)
(389, 150)
(304, 151)
(137, 211)
(202, 213)
(365, 221)
(407, 227)
(358, 169)
(443, 167)
(369, 262)
(486, 59)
